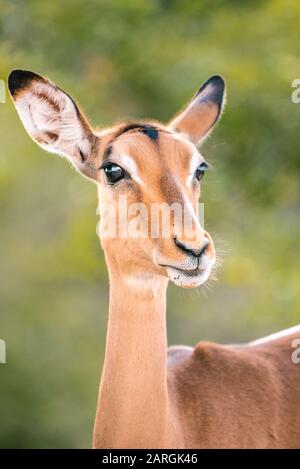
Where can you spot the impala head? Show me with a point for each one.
(146, 169)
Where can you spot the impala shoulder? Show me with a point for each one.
(209, 349)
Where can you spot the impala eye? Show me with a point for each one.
(201, 170)
(113, 173)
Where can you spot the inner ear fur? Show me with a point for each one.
(52, 119)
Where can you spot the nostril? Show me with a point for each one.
(190, 250)
(180, 244)
(202, 251)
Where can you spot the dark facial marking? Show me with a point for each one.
(149, 130)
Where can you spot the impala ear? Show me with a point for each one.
(52, 119)
(199, 117)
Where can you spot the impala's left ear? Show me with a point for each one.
(199, 117)
(53, 120)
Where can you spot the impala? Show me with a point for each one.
(209, 396)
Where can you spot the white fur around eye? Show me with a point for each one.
(129, 165)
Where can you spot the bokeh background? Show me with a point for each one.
(129, 59)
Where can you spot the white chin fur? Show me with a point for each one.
(187, 281)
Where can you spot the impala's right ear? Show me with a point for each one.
(53, 120)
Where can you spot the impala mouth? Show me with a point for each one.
(191, 278)
(188, 273)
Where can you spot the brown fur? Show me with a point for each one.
(249, 396)
(212, 396)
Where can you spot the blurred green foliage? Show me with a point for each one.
(129, 59)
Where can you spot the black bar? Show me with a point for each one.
(141, 458)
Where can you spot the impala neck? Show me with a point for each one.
(133, 407)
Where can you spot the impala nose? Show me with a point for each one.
(196, 252)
